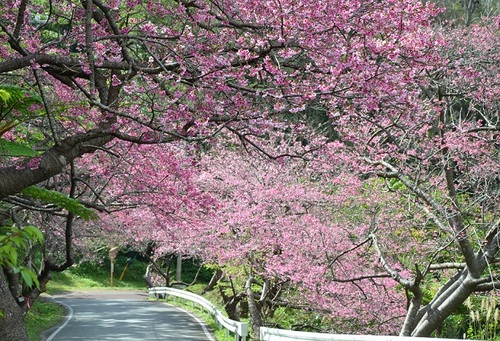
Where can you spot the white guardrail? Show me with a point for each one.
(239, 329)
(272, 334)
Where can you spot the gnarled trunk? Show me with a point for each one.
(12, 323)
(430, 317)
(255, 320)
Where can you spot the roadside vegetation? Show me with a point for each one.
(43, 315)
(96, 275)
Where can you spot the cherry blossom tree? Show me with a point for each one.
(280, 224)
(151, 200)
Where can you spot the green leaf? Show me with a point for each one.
(34, 234)
(12, 255)
(19, 241)
(5, 96)
(29, 277)
(13, 248)
(16, 106)
(61, 200)
(16, 98)
(10, 148)
(10, 94)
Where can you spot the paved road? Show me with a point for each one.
(124, 316)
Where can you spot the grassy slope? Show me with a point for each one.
(42, 316)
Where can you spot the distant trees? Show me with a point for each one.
(466, 12)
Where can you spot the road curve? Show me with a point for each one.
(125, 316)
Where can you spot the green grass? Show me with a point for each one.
(43, 315)
(89, 276)
(69, 281)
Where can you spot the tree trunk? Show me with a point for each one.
(147, 276)
(255, 320)
(230, 304)
(444, 303)
(178, 269)
(12, 323)
(213, 281)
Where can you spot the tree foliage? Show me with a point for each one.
(14, 241)
(60, 200)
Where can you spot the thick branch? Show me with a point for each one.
(485, 287)
(444, 303)
(454, 218)
(14, 179)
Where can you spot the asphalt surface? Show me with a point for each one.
(124, 316)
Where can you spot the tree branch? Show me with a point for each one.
(15, 178)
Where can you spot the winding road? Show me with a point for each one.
(124, 316)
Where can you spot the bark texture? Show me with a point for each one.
(255, 319)
(12, 324)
